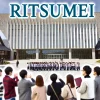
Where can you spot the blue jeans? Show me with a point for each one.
(10, 99)
(0, 98)
(13, 99)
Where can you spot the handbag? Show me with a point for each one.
(35, 97)
(60, 97)
(73, 98)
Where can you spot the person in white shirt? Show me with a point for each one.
(86, 89)
(78, 66)
(30, 66)
(66, 92)
(68, 66)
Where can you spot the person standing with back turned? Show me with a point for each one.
(69, 90)
(24, 86)
(97, 82)
(39, 90)
(54, 90)
(9, 84)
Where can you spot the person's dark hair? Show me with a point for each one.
(97, 70)
(0, 70)
(23, 73)
(39, 81)
(53, 77)
(87, 69)
(8, 70)
(70, 79)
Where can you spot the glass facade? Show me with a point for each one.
(82, 53)
(5, 55)
(97, 54)
(54, 54)
(27, 54)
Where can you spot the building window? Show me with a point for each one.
(27, 54)
(82, 53)
(54, 54)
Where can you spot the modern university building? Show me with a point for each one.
(52, 38)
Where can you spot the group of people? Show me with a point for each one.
(89, 88)
(45, 66)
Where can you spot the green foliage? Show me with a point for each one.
(6, 62)
(98, 61)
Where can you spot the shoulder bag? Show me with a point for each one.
(58, 97)
(73, 98)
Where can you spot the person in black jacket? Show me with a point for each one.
(17, 63)
(57, 87)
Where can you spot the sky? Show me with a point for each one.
(4, 4)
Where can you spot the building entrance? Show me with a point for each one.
(54, 54)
